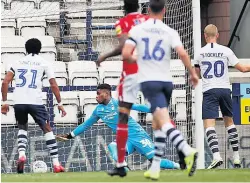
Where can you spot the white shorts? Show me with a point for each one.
(128, 88)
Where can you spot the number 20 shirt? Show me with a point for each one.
(213, 60)
(28, 73)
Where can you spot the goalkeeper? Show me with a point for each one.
(107, 111)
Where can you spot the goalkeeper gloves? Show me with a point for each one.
(64, 137)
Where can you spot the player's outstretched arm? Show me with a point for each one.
(115, 52)
(8, 78)
(141, 108)
(242, 67)
(80, 129)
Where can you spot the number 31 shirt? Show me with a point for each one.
(213, 60)
(28, 73)
(153, 41)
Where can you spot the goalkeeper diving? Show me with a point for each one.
(107, 111)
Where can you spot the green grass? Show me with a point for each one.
(239, 175)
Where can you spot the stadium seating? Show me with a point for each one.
(83, 73)
(8, 27)
(110, 72)
(12, 48)
(70, 102)
(60, 74)
(19, 8)
(50, 9)
(29, 27)
(87, 102)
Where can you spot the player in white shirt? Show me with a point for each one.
(153, 41)
(28, 73)
(212, 64)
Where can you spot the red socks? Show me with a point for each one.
(121, 140)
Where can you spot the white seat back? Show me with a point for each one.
(83, 73)
(13, 44)
(60, 74)
(8, 27)
(110, 72)
(88, 102)
(22, 8)
(31, 26)
(70, 101)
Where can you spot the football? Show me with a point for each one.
(39, 167)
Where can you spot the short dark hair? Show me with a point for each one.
(104, 87)
(157, 6)
(33, 46)
(131, 6)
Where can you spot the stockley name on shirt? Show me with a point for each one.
(212, 55)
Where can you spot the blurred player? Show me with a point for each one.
(107, 111)
(28, 73)
(128, 87)
(153, 40)
(212, 64)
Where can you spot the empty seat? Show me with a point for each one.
(88, 102)
(50, 9)
(48, 51)
(21, 8)
(8, 27)
(110, 72)
(35, 26)
(70, 102)
(9, 119)
(12, 48)
(83, 73)
(60, 74)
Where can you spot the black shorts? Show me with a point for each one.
(215, 98)
(158, 93)
(38, 112)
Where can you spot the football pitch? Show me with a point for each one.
(239, 175)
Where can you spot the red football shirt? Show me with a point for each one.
(123, 26)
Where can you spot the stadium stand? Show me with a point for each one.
(87, 102)
(71, 104)
(61, 74)
(8, 27)
(12, 48)
(110, 72)
(10, 118)
(28, 27)
(83, 73)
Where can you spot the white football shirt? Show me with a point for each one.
(213, 60)
(29, 72)
(154, 40)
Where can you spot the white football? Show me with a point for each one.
(39, 167)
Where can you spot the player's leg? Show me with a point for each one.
(21, 116)
(112, 147)
(144, 145)
(156, 93)
(127, 92)
(210, 111)
(40, 115)
(226, 109)
(187, 155)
